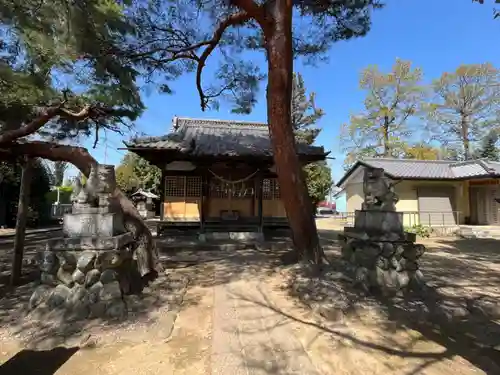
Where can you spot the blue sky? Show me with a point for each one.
(436, 35)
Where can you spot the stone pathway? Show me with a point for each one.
(248, 337)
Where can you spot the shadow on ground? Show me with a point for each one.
(37, 329)
(37, 362)
(459, 310)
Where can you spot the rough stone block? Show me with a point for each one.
(39, 296)
(50, 263)
(78, 277)
(67, 260)
(92, 277)
(78, 303)
(65, 277)
(86, 260)
(116, 309)
(108, 276)
(58, 296)
(94, 292)
(48, 279)
(110, 291)
(86, 225)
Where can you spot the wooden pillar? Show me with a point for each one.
(204, 199)
(259, 201)
(162, 192)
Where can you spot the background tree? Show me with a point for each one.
(59, 168)
(383, 128)
(421, 151)
(319, 181)
(181, 36)
(465, 107)
(135, 172)
(39, 204)
(44, 55)
(305, 115)
(488, 148)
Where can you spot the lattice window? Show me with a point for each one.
(266, 189)
(193, 186)
(276, 189)
(175, 186)
(270, 189)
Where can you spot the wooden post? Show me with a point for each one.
(162, 192)
(21, 221)
(259, 201)
(204, 198)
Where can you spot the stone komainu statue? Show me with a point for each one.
(378, 191)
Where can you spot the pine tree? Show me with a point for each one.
(488, 149)
(305, 115)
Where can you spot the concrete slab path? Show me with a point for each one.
(248, 337)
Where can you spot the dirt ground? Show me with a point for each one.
(366, 343)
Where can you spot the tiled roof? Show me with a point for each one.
(203, 137)
(404, 168)
(428, 169)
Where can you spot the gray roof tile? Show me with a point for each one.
(217, 138)
(405, 168)
(429, 169)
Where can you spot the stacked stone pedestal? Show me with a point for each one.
(89, 270)
(380, 254)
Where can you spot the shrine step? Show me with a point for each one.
(479, 231)
(252, 236)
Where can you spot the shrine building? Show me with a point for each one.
(218, 175)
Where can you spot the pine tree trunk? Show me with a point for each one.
(291, 179)
(21, 221)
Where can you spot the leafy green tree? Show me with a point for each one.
(383, 128)
(421, 151)
(39, 205)
(319, 181)
(465, 107)
(59, 168)
(488, 149)
(64, 75)
(181, 36)
(305, 115)
(135, 172)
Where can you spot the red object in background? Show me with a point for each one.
(330, 205)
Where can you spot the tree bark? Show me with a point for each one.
(385, 137)
(291, 179)
(21, 221)
(465, 125)
(80, 158)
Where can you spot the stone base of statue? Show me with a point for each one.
(89, 270)
(379, 253)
